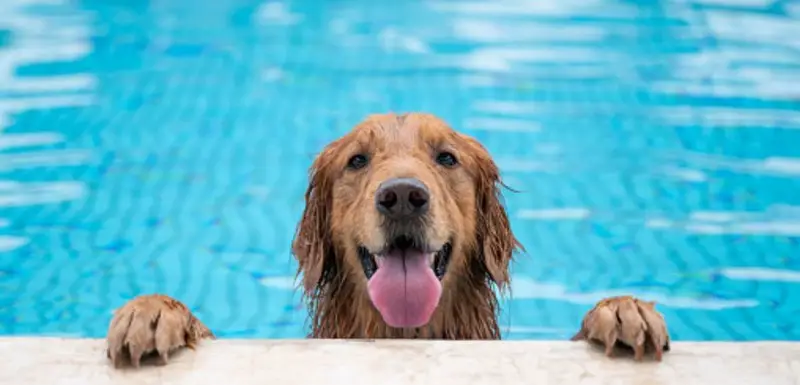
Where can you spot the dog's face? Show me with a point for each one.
(401, 207)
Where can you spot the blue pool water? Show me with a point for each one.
(162, 146)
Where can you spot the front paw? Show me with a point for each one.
(628, 320)
(152, 324)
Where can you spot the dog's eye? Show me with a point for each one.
(446, 159)
(357, 162)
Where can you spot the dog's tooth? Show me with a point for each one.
(431, 259)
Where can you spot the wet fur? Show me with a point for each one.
(334, 284)
(152, 324)
(626, 321)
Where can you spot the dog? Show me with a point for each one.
(403, 235)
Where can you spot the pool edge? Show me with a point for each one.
(57, 360)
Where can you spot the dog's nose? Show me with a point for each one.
(402, 198)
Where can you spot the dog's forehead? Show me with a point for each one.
(404, 130)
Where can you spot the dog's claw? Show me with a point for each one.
(627, 320)
(152, 324)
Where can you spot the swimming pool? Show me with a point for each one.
(163, 147)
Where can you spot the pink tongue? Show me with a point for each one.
(404, 289)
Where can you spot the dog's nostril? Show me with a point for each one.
(387, 199)
(402, 198)
(417, 198)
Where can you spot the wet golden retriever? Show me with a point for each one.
(403, 236)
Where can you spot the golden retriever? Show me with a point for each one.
(403, 235)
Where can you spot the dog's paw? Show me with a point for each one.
(629, 321)
(152, 324)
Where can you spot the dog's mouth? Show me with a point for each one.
(439, 260)
(404, 280)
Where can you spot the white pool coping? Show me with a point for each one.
(50, 361)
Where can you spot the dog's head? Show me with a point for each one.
(403, 208)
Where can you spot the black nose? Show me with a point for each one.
(402, 198)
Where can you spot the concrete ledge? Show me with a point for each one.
(81, 361)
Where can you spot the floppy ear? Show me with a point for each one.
(495, 238)
(312, 244)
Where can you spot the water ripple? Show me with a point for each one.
(164, 147)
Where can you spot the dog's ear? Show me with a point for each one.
(312, 244)
(496, 240)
